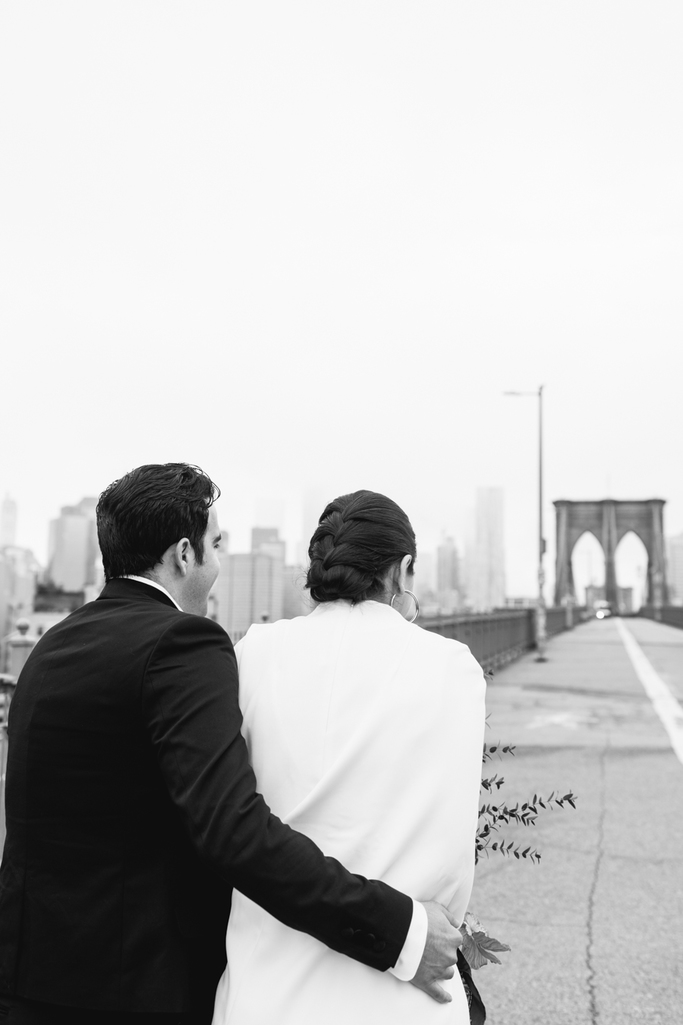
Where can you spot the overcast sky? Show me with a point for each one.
(308, 245)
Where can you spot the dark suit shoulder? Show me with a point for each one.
(193, 636)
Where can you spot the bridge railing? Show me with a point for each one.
(496, 638)
(672, 615)
(7, 684)
(559, 618)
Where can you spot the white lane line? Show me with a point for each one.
(663, 701)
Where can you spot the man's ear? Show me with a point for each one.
(180, 555)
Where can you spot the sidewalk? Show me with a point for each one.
(597, 927)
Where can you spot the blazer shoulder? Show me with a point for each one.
(455, 655)
(437, 642)
(262, 635)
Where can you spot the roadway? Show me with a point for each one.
(596, 929)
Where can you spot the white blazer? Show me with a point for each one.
(365, 733)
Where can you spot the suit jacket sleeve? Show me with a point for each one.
(191, 709)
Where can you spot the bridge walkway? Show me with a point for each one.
(596, 929)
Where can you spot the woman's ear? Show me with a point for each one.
(403, 569)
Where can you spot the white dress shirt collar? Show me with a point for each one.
(151, 583)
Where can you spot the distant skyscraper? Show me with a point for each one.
(250, 587)
(73, 552)
(8, 522)
(261, 537)
(297, 600)
(486, 566)
(18, 576)
(267, 541)
(424, 580)
(314, 503)
(448, 585)
(675, 568)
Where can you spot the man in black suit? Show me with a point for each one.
(132, 808)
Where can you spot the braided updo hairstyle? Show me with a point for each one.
(358, 538)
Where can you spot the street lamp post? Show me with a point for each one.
(540, 601)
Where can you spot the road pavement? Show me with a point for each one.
(596, 929)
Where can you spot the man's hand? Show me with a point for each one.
(440, 953)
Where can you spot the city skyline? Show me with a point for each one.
(264, 584)
(331, 241)
(78, 556)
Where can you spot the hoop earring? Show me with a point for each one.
(415, 599)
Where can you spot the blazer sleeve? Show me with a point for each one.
(191, 710)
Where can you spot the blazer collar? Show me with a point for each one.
(133, 590)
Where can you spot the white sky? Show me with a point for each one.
(309, 245)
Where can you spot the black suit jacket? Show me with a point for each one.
(132, 810)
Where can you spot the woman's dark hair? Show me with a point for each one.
(141, 515)
(358, 538)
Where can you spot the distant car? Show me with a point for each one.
(603, 610)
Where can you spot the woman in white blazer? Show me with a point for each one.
(365, 732)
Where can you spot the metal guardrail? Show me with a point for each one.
(672, 615)
(496, 638)
(562, 618)
(7, 685)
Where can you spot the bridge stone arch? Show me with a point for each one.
(609, 520)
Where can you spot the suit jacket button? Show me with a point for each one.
(378, 946)
(347, 933)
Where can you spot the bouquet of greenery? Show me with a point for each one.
(478, 947)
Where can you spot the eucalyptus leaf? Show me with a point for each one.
(478, 947)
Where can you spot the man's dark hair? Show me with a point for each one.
(141, 515)
(359, 536)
